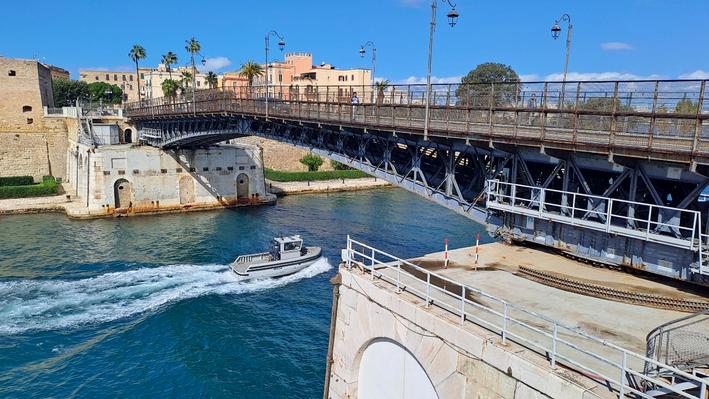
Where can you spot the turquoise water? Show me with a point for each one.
(146, 308)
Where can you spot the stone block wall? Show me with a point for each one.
(25, 88)
(33, 154)
(281, 156)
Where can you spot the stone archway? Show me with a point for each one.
(128, 136)
(186, 184)
(388, 370)
(242, 186)
(122, 193)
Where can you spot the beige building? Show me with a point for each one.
(152, 79)
(126, 80)
(298, 76)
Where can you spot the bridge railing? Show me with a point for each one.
(671, 226)
(670, 116)
(622, 370)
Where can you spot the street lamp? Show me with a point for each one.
(363, 51)
(281, 46)
(452, 20)
(556, 30)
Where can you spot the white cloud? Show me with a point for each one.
(215, 64)
(414, 80)
(616, 46)
(529, 77)
(698, 74)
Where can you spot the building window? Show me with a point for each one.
(205, 169)
(340, 78)
(124, 78)
(26, 108)
(130, 77)
(230, 168)
(353, 78)
(142, 75)
(178, 170)
(96, 77)
(163, 170)
(30, 121)
(115, 78)
(12, 73)
(108, 77)
(219, 168)
(198, 82)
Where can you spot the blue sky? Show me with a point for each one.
(611, 38)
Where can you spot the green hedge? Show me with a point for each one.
(48, 186)
(16, 181)
(277, 175)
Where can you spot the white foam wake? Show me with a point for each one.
(51, 305)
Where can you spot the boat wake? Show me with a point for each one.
(31, 305)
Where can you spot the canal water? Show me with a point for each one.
(146, 308)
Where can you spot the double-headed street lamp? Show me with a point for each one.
(281, 46)
(452, 20)
(363, 51)
(555, 30)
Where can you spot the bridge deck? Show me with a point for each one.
(660, 119)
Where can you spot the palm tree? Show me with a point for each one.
(169, 59)
(251, 70)
(211, 79)
(192, 46)
(381, 86)
(136, 54)
(186, 79)
(170, 88)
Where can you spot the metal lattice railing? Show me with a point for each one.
(681, 343)
(618, 368)
(668, 117)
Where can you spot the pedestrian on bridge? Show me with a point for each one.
(354, 100)
(532, 104)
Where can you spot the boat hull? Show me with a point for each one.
(279, 268)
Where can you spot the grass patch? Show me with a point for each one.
(48, 186)
(277, 175)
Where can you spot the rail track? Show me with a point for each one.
(599, 291)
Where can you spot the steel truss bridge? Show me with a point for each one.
(612, 172)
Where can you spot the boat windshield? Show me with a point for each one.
(291, 246)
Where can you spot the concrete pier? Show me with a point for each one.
(412, 329)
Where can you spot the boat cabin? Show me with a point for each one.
(287, 247)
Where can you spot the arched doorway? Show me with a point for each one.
(186, 190)
(122, 193)
(128, 136)
(387, 370)
(242, 186)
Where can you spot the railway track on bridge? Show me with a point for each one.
(600, 291)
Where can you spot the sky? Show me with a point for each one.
(612, 39)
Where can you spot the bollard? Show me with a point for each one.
(445, 254)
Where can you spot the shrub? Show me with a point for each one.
(339, 165)
(277, 175)
(312, 161)
(48, 186)
(16, 181)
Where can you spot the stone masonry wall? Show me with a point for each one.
(281, 156)
(33, 154)
(25, 88)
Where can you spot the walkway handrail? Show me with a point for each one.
(627, 379)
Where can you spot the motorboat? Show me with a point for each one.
(286, 256)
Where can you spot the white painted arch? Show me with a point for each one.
(387, 370)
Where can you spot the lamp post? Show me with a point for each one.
(281, 46)
(452, 20)
(555, 30)
(363, 51)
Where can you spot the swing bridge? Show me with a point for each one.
(612, 172)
